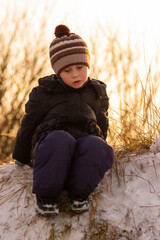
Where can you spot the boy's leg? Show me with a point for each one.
(52, 162)
(93, 158)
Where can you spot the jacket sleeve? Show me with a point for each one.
(22, 147)
(102, 120)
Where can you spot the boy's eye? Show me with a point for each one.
(67, 70)
(79, 67)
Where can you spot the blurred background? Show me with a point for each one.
(124, 41)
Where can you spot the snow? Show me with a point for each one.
(127, 203)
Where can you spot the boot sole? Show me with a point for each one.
(47, 213)
(79, 210)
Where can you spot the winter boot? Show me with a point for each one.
(46, 207)
(79, 205)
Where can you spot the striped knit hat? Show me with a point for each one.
(67, 49)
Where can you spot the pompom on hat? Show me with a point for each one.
(67, 49)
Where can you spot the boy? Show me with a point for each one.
(64, 129)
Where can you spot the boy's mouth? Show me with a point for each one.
(76, 82)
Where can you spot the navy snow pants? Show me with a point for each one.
(78, 164)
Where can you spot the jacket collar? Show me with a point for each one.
(70, 88)
(53, 81)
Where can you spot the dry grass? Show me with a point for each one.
(135, 124)
(24, 59)
(134, 113)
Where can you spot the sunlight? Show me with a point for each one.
(139, 18)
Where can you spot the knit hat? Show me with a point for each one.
(67, 49)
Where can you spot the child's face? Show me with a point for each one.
(75, 76)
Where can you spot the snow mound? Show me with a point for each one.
(125, 206)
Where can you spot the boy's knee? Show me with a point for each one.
(94, 143)
(61, 136)
(98, 151)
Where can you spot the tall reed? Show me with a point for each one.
(134, 113)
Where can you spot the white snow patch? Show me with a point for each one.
(131, 204)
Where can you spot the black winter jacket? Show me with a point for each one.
(54, 105)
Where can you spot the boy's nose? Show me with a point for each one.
(75, 73)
